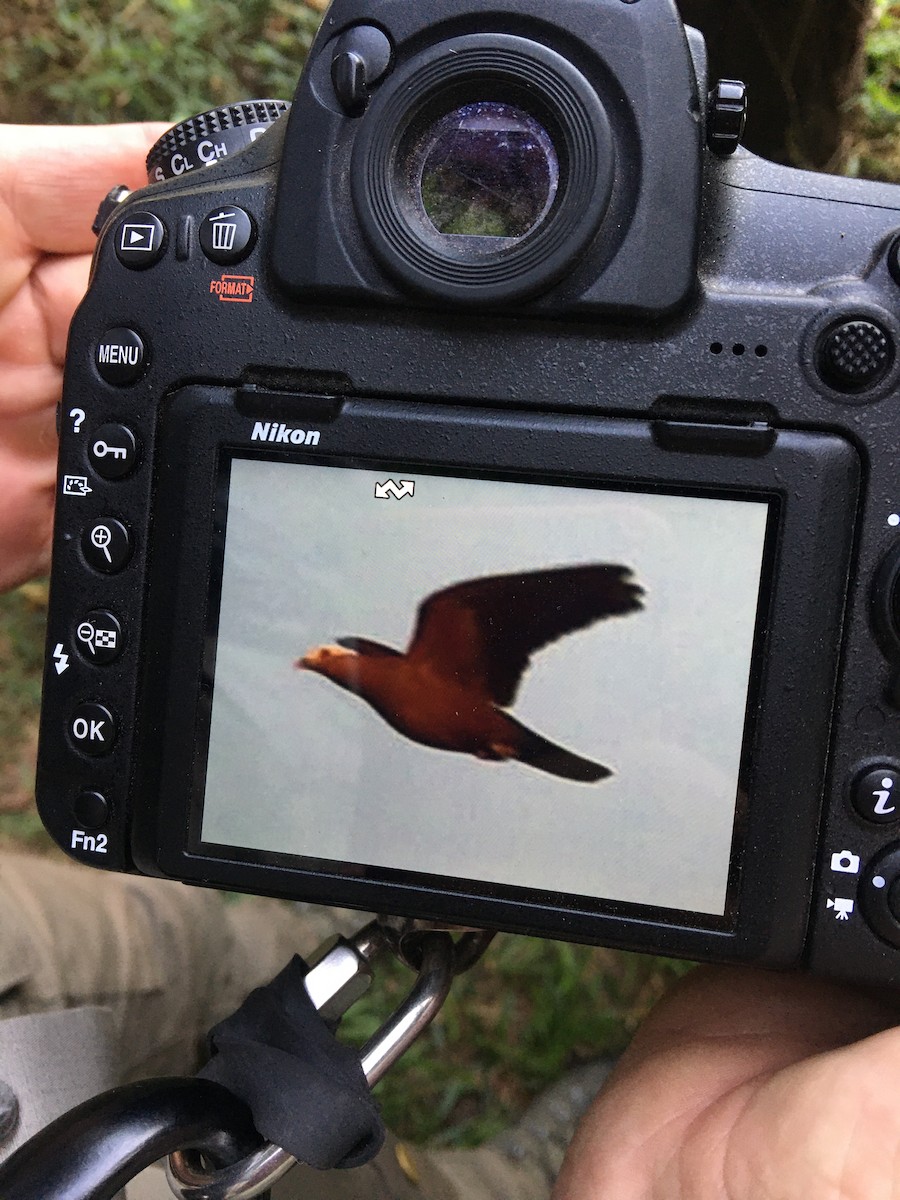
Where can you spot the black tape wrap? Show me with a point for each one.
(306, 1091)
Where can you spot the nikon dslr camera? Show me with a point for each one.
(478, 500)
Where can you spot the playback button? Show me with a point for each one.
(140, 240)
(113, 451)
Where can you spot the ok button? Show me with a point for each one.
(92, 729)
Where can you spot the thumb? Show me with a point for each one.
(55, 176)
(752, 1085)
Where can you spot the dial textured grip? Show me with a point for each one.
(204, 139)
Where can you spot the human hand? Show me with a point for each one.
(51, 180)
(749, 1085)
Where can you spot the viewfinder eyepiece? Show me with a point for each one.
(485, 170)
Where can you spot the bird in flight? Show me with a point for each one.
(472, 644)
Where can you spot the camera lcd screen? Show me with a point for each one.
(538, 686)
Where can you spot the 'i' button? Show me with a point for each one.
(120, 356)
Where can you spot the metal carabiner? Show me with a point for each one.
(333, 984)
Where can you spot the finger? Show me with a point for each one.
(28, 388)
(58, 286)
(28, 470)
(667, 1114)
(55, 176)
(828, 1126)
(34, 326)
(803, 1012)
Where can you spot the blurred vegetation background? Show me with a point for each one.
(64, 61)
(874, 116)
(531, 1008)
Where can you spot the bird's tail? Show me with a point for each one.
(537, 752)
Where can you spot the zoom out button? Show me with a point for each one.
(98, 637)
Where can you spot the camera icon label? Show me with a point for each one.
(845, 862)
(76, 485)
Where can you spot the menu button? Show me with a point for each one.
(120, 356)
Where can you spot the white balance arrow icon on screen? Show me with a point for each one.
(384, 491)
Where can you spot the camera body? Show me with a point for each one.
(558, 453)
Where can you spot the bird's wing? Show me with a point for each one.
(483, 632)
(371, 649)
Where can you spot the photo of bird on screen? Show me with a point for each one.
(472, 644)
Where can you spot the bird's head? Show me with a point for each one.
(337, 662)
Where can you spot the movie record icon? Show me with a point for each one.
(98, 637)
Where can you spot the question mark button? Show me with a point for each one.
(120, 356)
(113, 451)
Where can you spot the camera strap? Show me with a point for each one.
(308, 1093)
(306, 1090)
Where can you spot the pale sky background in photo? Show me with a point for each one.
(300, 766)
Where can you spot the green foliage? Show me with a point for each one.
(527, 1012)
(168, 59)
(881, 97)
(22, 620)
(151, 59)
(875, 124)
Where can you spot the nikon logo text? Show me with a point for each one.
(271, 431)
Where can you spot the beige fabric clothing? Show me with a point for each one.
(383, 1179)
(400, 1172)
(166, 962)
(53, 1062)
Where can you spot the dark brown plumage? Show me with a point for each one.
(472, 644)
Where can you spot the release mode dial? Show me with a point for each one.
(211, 136)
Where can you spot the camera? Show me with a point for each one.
(478, 501)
